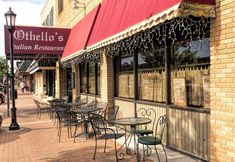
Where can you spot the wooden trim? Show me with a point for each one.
(163, 105)
(194, 109)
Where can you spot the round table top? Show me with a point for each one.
(132, 121)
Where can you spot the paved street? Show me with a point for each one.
(37, 140)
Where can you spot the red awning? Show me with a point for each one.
(79, 35)
(119, 19)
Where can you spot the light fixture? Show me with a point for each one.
(77, 4)
(10, 25)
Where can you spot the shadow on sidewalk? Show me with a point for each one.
(7, 136)
(85, 154)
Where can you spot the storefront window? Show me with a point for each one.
(90, 77)
(151, 75)
(190, 73)
(124, 76)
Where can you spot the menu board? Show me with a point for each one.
(179, 88)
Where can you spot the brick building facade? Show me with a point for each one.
(207, 133)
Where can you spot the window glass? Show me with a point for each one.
(124, 76)
(60, 6)
(190, 73)
(151, 75)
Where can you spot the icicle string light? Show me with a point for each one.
(187, 27)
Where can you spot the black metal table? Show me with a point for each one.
(132, 122)
(84, 112)
(75, 105)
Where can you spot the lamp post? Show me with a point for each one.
(10, 25)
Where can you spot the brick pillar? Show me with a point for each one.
(222, 120)
(76, 89)
(106, 78)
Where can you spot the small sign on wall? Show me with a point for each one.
(179, 88)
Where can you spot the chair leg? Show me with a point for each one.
(115, 145)
(60, 130)
(39, 113)
(105, 143)
(137, 152)
(74, 134)
(68, 130)
(164, 151)
(157, 153)
(95, 149)
(143, 154)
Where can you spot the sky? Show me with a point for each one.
(27, 11)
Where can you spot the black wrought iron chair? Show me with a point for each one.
(53, 104)
(110, 113)
(153, 140)
(67, 119)
(103, 132)
(147, 128)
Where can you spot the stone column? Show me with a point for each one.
(76, 75)
(106, 77)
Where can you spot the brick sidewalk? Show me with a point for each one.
(37, 140)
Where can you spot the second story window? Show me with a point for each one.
(60, 6)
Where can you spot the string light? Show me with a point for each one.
(189, 27)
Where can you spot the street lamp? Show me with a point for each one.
(10, 25)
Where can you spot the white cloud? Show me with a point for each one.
(28, 14)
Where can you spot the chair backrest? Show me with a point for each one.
(37, 103)
(65, 99)
(149, 113)
(61, 106)
(161, 124)
(111, 113)
(92, 103)
(98, 123)
(63, 115)
(103, 106)
(77, 99)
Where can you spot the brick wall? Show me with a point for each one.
(70, 16)
(222, 120)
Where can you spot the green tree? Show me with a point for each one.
(3, 67)
(185, 57)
